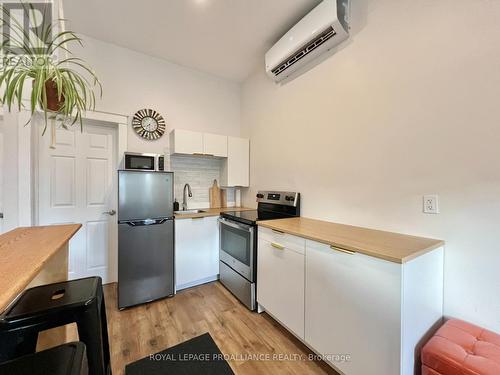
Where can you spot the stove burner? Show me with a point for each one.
(272, 205)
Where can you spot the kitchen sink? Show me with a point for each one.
(189, 212)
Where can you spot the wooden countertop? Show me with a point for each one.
(212, 212)
(24, 252)
(394, 247)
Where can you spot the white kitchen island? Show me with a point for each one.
(363, 299)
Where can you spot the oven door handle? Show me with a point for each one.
(247, 228)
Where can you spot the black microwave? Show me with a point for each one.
(144, 162)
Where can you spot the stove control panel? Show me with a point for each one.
(285, 198)
(273, 196)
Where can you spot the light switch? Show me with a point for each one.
(431, 204)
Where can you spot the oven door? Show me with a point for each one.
(237, 247)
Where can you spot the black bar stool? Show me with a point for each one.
(48, 306)
(67, 359)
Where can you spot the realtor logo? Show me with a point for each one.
(26, 27)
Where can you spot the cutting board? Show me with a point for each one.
(214, 194)
(223, 198)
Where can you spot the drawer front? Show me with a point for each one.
(280, 286)
(297, 244)
(353, 308)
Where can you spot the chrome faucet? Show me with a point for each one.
(184, 196)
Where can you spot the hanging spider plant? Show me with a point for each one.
(62, 85)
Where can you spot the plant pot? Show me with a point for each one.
(53, 102)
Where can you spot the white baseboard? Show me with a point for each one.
(197, 282)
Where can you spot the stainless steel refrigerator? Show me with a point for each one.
(145, 236)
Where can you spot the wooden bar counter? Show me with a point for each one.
(32, 256)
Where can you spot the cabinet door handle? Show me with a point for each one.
(277, 246)
(277, 231)
(350, 252)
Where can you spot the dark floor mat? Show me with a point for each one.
(198, 356)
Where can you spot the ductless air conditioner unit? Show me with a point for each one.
(323, 28)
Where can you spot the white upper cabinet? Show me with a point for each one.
(236, 171)
(215, 145)
(186, 142)
(235, 150)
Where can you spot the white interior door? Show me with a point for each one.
(77, 184)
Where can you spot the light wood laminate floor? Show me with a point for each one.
(147, 329)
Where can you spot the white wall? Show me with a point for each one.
(10, 172)
(410, 106)
(186, 98)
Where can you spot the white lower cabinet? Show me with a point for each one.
(280, 284)
(196, 251)
(353, 307)
(362, 314)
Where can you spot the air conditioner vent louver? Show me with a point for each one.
(309, 42)
(318, 41)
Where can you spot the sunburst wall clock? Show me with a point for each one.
(148, 124)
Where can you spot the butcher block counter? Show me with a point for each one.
(393, 247)
(32, 256)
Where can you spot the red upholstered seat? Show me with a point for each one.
(461, 348)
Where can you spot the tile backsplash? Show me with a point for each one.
(199, 173)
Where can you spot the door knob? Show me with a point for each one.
(110, 213)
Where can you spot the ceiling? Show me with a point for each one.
(227, 38)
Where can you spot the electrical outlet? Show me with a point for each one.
(431, 204)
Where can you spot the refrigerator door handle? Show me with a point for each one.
(139, 223)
